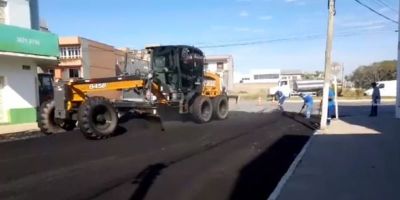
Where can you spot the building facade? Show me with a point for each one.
(262, 76)
(88, 59)
(223, 66)
(84, 58)
(271, 76)
(22, 52)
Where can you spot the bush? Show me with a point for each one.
(352, 92)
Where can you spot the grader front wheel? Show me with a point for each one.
(202, 109)
(47, 123)
(97, 118)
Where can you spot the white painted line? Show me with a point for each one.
(277, 191)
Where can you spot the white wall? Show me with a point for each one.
(20, 89)
(227, 70)
(18, 13)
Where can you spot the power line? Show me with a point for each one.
(383, 3)
(376, 12)
(298, 38)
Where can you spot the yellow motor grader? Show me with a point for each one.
(176, 79)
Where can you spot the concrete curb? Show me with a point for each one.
(277, 191)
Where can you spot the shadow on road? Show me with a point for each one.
(259, 177)
(145, 180)
(352, 115)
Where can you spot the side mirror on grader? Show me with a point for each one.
(176, 80)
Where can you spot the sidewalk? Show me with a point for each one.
(344, 100)
(357, 158)
(16, 128)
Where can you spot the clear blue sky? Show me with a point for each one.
(361, 37)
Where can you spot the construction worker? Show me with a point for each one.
(283, 93)
(376, 99)
(331, 105)
(308, 104)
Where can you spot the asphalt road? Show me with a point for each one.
(242, 157)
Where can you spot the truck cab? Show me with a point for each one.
(281, 83)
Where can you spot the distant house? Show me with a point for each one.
(223, 66)
(292, 74)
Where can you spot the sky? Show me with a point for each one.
(283, 34)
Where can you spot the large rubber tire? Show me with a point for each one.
(97, 118)
(220, 107)
(202, 109)
(47, 122)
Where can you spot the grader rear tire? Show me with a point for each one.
(202, 109)
(47, 122)
(220, 107)
(97, 118)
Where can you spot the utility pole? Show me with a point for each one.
(342, 75)
(328, 64)
(398, 74)
(335, 82)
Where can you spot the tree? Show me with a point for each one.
(313, 76)
(363, 76)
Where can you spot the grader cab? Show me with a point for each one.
(176, 80)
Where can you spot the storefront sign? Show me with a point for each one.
(27, 41)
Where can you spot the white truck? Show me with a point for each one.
(314, 87)
(386, 88)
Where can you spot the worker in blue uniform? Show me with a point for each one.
(308, 104)
(331, 106)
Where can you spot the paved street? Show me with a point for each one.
(242, 157)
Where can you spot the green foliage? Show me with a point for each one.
(363, 76)
(357, 93)
(313, 76)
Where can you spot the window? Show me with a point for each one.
(70, 52)
(266, 76)
(382, 85)
(74, 73)
(26, 67)
(220, 66)
(3, 5)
